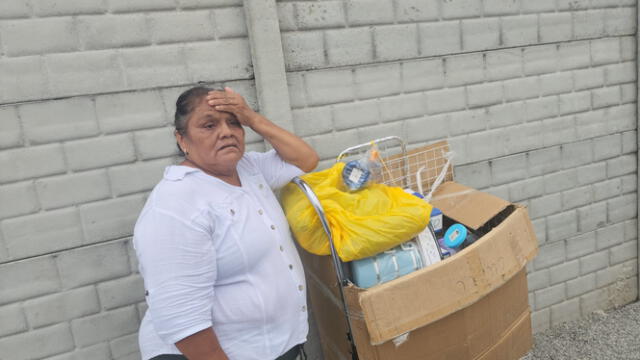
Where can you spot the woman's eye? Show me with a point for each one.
(209, 126)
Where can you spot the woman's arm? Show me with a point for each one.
(202, 345)
(290, 147)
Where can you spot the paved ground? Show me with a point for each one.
(604, 335)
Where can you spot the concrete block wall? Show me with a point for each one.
(87, 94)
(537, 99)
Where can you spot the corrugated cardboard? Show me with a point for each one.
(473, 305)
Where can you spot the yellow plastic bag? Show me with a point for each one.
(363, 223)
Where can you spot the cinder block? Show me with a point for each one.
(38, 36)
(556, 83)
(590, 124)
(500, 7)
(540, 320)
(92, 264)
(123, 346)
(100, 152)
(538, 279)
(197, 4)
(297, 92)
(464, 69)
(526, 189)
(508, 169)
(592, 217)
(576, 197)
(623, 292)
(607, 146)
(142, 309)
(414, 11)
(422, 75)
(14, 9)
(286, 16)
(480, 34)
(312, 121)
(519, 30)
(58, 120)
(629, 183)
(228, 59)
(446, 100)
(124, 30)
(559, 130)
(631, 229)
(542, 108)
(467, 121)
(156, 143)
(621, 118)
(566, 311)
(377, 80)
(605, 51)
(549, 296)
(73, 189)
(503, 64)
(622, 208)
(456, 9)
(437, 125)
(315, 15)
(21, 197)
(540, 229)
(369, 12)
(44, 8)
(476, 175)
(121, 292)
(13, 320)
(303, 50)
(329, 145)
(355, 114)
(61, 307)
(37, 344)
(628, 48)
(349, 46)
(22, 79)
(563, 272)
(501, 191)
(505, 114)
(629, 142)
(574, 55)
(523, 137)
(485, 145)
(581, 285)
(173, 27)
(555, 27)
(129, 111)
(42, 233)
(581, 245)
(616, 273)
(111, 219)
(545, 161)
(588, 24)
(594, 262)
(96, 352)
(28, 278)
(523, 88)
(609, 236)
(31, 162)
(133, 259)
(620, 73)
(540, 59)
(577, 154)
(147, 175)
(229, 22)
(545, 205)
(538, 6)
(154, 66)
(624, 252)
(588, 78)
(402, 106)
(368, 133)
(629, 93)
(68, 73)
(439, 38)
(595, 300)
(486, 94)
(395, 42)
(574, 102)
(329, 86)
(560, 181)
(104, 326)
(621, 165)
(562, 226)
(573, 4)
(605, 96)
(10, 130)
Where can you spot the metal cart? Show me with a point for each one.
(398, 167)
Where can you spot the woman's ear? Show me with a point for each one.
(180, 139)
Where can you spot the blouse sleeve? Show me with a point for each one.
(178, 264)
(274, 169)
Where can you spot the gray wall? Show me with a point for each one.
(536, 97)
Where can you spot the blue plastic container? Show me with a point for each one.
(386, 266)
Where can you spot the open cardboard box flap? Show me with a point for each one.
(467, 205)
(427, 295)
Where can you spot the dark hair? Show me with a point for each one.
(187, 101)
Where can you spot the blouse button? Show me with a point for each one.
(300, 287)
(232, 211)
(290, 267)
(273, 227)
(260, 212)
(304, 308)
(281, 248)
(260, 186)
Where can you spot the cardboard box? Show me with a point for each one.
(473, 305)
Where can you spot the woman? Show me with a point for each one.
(222, 276)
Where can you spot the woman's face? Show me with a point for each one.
(213, 139)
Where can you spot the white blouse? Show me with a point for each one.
(214, 254)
